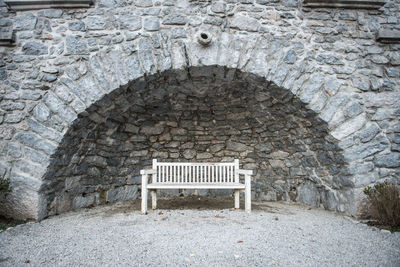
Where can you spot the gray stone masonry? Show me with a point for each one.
(305, 97)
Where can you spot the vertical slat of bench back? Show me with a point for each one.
(236, 170)
(154, 167)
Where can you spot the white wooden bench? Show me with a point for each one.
(185, 175)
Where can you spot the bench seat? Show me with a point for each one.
(195, 186)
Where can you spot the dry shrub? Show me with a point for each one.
(384, 200)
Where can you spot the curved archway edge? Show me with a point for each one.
(90, 79)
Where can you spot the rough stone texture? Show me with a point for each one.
(290, 81)
(223, 120)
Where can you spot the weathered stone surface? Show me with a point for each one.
(349, 127)
(114, 3)
(83, 201)
(96, 23)
(311, 88)
(11, 105)
(122, 193)
(174, 19)
(53, 13)
(76, 26)
(151, 24)
(76, 46)
(25, 23)
(156, 129)
(388, 160)
(132, 23)
(35, 48)
(218, 7)
(290, 57)
(268, 62)
(332, 86)
(44, 131)
(369, 132)
(244, 23)
(204, 155)
(307, 193)
(365, 150)
(189, 153)
(354, 109)
(236, 146)
(34, 141)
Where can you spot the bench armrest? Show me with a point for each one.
(151, 171)
(245, 172)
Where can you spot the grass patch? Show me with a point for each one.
(6, 223)
(394, 229)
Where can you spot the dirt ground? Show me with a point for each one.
(194, 203)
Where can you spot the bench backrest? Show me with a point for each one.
(186, 172)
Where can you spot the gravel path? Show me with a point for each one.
(274, 234)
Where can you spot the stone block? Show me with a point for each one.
(122, 193)
(369, 132)
(175, 19)
(279, 154)
(329, 199)
(290, 57)
(96, 23)
(388, 160)
(76, 26)
(44, 131)
(308, 194)
(76, 46)
(53, 13)
(83, 201)
(34, 48)
(204, 155)
(238, 147)
(311, 88)
(189, 153)
(34, 141)
(362, 180)
(151, 24)
(244, 23)
(349, 127)
(152, 130)
(25, 23)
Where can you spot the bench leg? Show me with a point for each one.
(154, 199)
(237, 203)
(144, 194)
(247, 193)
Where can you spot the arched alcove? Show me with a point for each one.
(198, 114)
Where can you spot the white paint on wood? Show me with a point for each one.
(247, 193)
(154, 199)
(187, 175)
(237, 203)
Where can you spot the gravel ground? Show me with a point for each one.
(274, 234)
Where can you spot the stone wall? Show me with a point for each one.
(342, 88)
(208, 116)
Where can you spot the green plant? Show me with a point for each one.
(5, 185)
(384, 200)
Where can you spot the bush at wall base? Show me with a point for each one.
(384, 203)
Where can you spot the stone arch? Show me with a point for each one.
(207, 113)
(272, 61)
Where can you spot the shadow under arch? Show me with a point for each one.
(208, 113)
